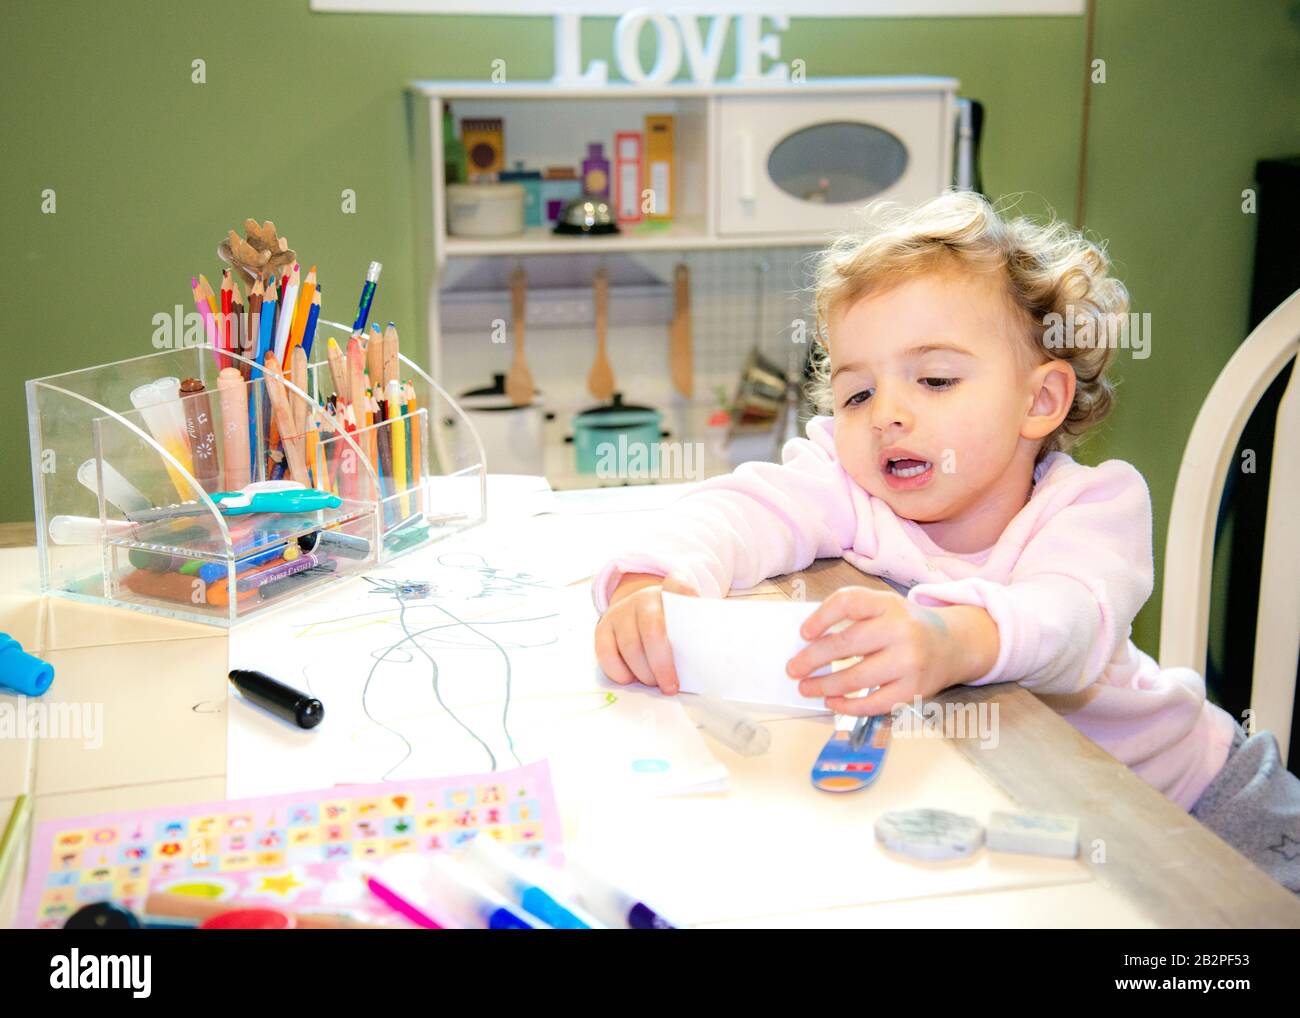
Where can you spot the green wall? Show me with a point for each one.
(151, 169)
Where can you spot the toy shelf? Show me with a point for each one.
(763, 164)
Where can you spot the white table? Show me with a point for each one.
(161, 687)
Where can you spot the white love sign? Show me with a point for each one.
(675, 35)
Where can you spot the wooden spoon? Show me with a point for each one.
(519, 382)
(680, 351)
(600, 382)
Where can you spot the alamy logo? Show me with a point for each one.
(101, 972)
(675, 461)
(1085, 331)
(39, 720)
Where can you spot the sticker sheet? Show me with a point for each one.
(301, 851)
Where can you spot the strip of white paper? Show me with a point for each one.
(738, 650)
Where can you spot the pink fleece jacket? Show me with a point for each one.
(1063, 584)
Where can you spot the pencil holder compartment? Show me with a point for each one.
(422, 490)
(125, 466)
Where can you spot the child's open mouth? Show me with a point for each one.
(904, 472)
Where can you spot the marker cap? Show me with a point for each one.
(21, 671)
(102, 915)
(249, 919)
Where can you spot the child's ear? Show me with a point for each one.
(1052, 385)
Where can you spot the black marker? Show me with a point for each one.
(102, 915)
(281, 700)
(337, 542)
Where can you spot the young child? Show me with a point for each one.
(944, 470)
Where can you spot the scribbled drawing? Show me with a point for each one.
(1288, 847)
(493, 581)
(446, 631)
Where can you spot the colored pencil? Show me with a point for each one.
(205, 312)
(390, 360)
(298, 375)
(255, 297)
(338, 368)
(301, 309)
(206, 287)
(293, 454)
(227, 295)
(357, 373)
(414, 421)
(400, 452)
(372, 439)
(313, 314)
(15, 830)
(288, 300)
(384, 440)
(267, 325)
(238, 327)
(375, 357)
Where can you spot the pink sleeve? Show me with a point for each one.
(762, 520)
(1083, 572)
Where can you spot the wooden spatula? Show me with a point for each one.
(519, 382)
(600, 382)
(680, 350)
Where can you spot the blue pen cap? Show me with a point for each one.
(21, 671)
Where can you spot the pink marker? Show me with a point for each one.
(399, 904)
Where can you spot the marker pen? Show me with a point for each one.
(460, 892)
(402, 905)
(285, 584)
(211, 572)
(611, 904)
(253, 580)
(524, 885)
(281, 700)
(728, 724)
(347, 545)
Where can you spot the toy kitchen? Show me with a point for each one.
(618, 288)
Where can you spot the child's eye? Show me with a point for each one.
(938, 384)
(858, 398)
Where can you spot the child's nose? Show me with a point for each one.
(889, 410)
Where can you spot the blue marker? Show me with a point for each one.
(523, 885)
(211, 572)
(463, 896)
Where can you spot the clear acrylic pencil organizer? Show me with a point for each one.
(124, 467)
(423, 490)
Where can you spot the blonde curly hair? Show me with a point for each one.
(1050, 270)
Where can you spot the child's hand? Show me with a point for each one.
(907, 650)
(632, 638)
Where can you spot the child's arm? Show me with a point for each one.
(762, 520)
(1083, 571)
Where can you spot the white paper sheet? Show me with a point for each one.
(380, 687)
(738, 649)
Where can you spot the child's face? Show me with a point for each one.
(932, 386)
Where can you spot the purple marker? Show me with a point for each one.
(612, 905)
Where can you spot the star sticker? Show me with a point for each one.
(1288, 847)
(284, 884)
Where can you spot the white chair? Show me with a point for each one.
(1185, 605)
